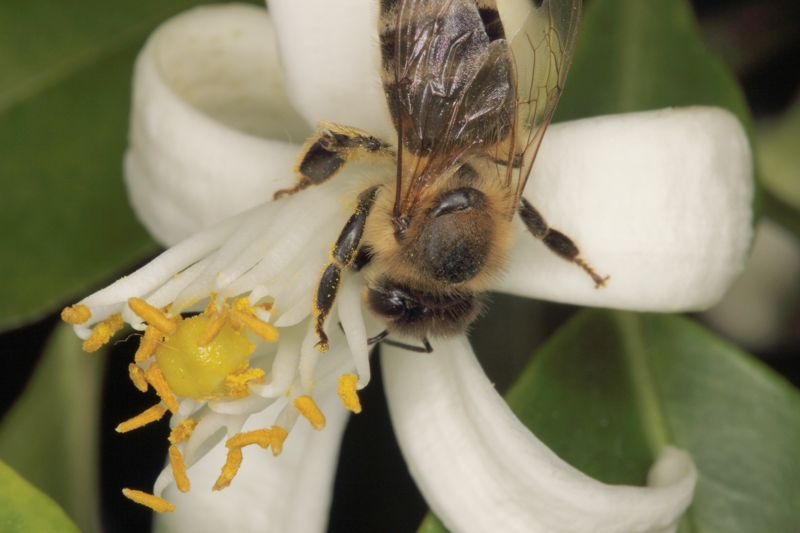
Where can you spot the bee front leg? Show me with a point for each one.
(324, 155)
(556, 241)
(342, 257)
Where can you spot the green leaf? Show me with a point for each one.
(50, 434)
(610, 389)
(779, 167)
(23, 509)
(635, 56)
(64, 104)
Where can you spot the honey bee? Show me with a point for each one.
(470, 107)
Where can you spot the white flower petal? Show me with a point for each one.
(481, 470)
(332, 62)
(211, 122)
(290, 493)
(660, 201)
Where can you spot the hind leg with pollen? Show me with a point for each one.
(324, 155)
(556, 241)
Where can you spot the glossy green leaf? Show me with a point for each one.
(50, 434)
(64, 104)
(23, 509)
(611, 388)
(635, 56)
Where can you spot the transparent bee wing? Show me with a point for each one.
(542, 51)
(450, 93)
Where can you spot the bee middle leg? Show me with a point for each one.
(343, 256)
(324, 155)
(556, 241)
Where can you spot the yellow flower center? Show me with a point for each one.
(199, 372)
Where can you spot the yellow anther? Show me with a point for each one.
(77, 314)
(151, 315)
(179, 469)
(151, 415)
(147, 346)
(213, 328)
(137, 376)
(211, 308)
(103, 332)
(182, 431)
(266, 331)
(236, 384)
(309, 409)
(232, 464)
(154, 376)
(277, 436)
(242, 305)
(262, 437)
(159, 505)
(347, 392)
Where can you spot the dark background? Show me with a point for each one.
(760, 41)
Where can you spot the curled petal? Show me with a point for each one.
(660, 201)
(211, 123)
(481, 470)
(332, 61)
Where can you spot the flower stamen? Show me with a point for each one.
(159, 505)
(147, 346)
(103, 332)
(154, 317)
(179, 469)
(348, 392)
(262, 437)
(277, 436)
(309, 409)
(156, 378)
(236, 384)
(213, 328)
(137, 376)
(182, 431)
(151, 415)
(76, 314)
(266, 331)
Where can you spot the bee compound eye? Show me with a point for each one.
(390, 304)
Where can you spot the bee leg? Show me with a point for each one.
(410, 347)
(377, 338)
(324, 155)
(342, 257)
(556, 241)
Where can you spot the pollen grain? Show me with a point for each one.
(236, 384)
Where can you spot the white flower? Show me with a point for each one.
(659, 200)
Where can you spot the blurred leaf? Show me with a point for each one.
(64, 99)
(50, 434)
(635, 56)
(777, 143)
(23, 509)
(611, 388)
